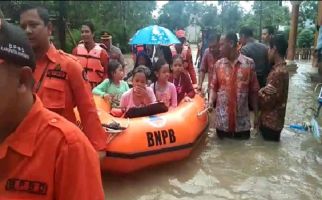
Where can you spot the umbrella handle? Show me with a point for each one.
(153, 54)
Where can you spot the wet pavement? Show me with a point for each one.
(229, 169)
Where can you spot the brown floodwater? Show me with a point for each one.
(229, 169)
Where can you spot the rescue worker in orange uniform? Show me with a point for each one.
(91, 55)
(42, 155)
(60, 81)
(185, 51)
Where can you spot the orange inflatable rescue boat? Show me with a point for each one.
(152, 140)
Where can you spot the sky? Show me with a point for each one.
(246, 5)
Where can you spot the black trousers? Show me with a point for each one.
(243, 135)
(261, 80)
(269, 134)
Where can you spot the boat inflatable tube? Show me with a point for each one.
(152, 140)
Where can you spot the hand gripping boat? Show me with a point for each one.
(152, 140)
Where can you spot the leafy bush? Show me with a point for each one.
(69, 41)
(305, 38)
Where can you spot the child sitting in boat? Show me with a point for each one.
(181, 80)
(140, 95)
(112, 89)
(164, 90)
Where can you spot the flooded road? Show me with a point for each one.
(228, 169)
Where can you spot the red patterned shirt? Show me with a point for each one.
(235, 84)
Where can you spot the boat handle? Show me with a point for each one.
(127, 125)
(202, 112)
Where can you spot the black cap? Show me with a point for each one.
(14, 45)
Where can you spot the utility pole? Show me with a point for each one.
(260, 20)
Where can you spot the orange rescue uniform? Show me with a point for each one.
(94, 62)
(48, 158)
(60, 83)
(187, 61)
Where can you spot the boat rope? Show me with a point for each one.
(199, 114)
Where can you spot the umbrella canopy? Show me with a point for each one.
(154, 35)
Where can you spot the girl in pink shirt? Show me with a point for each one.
(164, 90)
(181, 80)
(140, 94)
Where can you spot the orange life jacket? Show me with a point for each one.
(91, 61)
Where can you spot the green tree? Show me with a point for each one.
(173, 15)
(179, 14)
(120, 18)
(210, 18)
(305, 38)
(11, 9)
(230, 16)
(308, 12)
(249, 20)
(273, 14)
